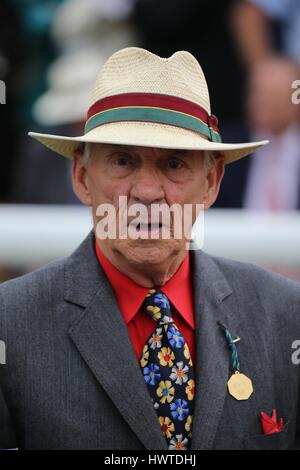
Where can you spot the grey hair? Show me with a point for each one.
(210, 159)
(86, 153)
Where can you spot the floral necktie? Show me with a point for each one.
(168, 371)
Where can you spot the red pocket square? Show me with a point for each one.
(269, 423)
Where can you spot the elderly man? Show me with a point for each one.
(137, 342)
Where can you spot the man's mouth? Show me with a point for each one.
(148, 227)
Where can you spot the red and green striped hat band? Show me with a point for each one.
(153, 107)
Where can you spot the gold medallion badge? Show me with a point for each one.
(240, 386)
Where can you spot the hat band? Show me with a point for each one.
(152, 107)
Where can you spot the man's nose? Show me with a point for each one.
(147, 186)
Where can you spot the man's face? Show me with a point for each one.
(145, 176)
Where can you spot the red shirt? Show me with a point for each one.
(130, 297)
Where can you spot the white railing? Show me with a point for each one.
(34, 234)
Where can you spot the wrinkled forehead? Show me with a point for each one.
(137, 150)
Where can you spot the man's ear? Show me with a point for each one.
(80, 179)
(214, 178)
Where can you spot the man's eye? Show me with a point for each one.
(122, 161)
(175, 164)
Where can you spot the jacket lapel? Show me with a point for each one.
(101, 337)
(211, 292)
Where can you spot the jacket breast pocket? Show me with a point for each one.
(277, 441)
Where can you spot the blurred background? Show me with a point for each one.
(50, 54)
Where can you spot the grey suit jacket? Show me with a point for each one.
(71, 379)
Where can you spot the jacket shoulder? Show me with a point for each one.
(40, 283)
(277, 293)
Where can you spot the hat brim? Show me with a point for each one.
(146, 134)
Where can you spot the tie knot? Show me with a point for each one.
(157, 305)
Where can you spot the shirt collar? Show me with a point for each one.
(130, 295)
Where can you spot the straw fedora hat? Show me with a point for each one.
(142, 99)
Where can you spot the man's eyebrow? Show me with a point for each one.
(179, 152)
(118, 147)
